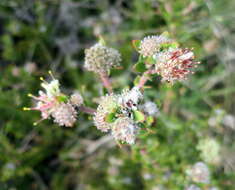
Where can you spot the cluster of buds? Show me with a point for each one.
(120, 114)
(53, 103)
(152, 45)
(100, 58)
(163, 56)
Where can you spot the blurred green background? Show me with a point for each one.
(38, 35)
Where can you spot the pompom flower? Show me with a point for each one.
(175, 64)
(150, 108)
(65, 115)
(52, 103)
(210, 150)
(161, 55)
(130, 98)
(108, 104)
(100, 59)
(125, 130)
(76, 99)
(119, 114)
(199, 173)
(151, 45)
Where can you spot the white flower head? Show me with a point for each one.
(210, 150)
(199, 173)
(51, 88)
(175, 64)
(151, 45)
(48, 101)
(116, 113)
(107, 105)
(100, 59)
(76, 99)
(131, 98)
(65, 115)
(124, 130)
(150, 108)
(53, 103)
(186, 56)
(229, 121)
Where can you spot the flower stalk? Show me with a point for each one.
(106, 82)
(87, 110)
(144, 78)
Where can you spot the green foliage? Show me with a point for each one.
(139, 116)
(140, 65)
(37, 36)
(136, 44)
(110, 118)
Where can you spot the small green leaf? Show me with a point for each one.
(166, 34)
(174, 45)
(140, 65)
(168, 45)
(62, 98)
(164, 46)
(110, 118)
(137, 80)
(136, 44)
(102, 41)
(139, 116)
(149, 120)
(150, 60)
(142, 126)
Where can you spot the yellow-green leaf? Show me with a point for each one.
(139, 116)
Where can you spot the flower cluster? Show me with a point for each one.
(53, 103)
(199, 173)
(164, 57)
(150, 108)
(175, 64)
(100, 59)
(151, 45)
(125, 129)
(120, 114)
(65, 114)
(107, 105)
(210, 150)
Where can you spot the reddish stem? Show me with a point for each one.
(87, 110)
(144, 78)
(106, 82)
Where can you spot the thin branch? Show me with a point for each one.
(87, 110)
(145, 77)
(39, 180)
(106, 82)
(106, 140)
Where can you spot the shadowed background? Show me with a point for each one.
(42, 35)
